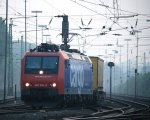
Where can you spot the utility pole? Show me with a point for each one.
(144, 64)
(10, 63)
(42, 26)
(127, 62)
(5, 67)
(25, 26)
(115, 51)
(21, 47)
(36, 22)
(46, 38)
(136, 69)
(120, 67)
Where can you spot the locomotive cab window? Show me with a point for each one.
(48, 64)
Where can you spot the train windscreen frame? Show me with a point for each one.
(48, 64)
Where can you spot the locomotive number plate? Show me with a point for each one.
(40, 85)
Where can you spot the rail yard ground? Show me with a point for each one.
(106, 109)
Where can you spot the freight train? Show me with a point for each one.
(50, 75)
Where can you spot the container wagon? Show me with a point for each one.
(98, 69)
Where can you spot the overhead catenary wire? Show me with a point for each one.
(98, 14)
(47, 16)
(107, 6)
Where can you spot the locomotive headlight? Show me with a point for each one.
(41, 72)
(27, 84)
(54, 84)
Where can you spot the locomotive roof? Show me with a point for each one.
(45, 48)
(78, 56)
(67, 55)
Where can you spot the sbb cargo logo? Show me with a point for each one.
(76, 76)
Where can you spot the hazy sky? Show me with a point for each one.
(130, 13)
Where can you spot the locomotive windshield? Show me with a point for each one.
(49, 64)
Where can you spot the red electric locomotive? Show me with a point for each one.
(50, 75)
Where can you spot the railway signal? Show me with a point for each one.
(110, 64)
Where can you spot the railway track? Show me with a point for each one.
(9, 100)
(21, 108)
(108, 109)
(128, 110)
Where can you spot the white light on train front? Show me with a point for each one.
(41, 72)
(54, 84)
(27, 84)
